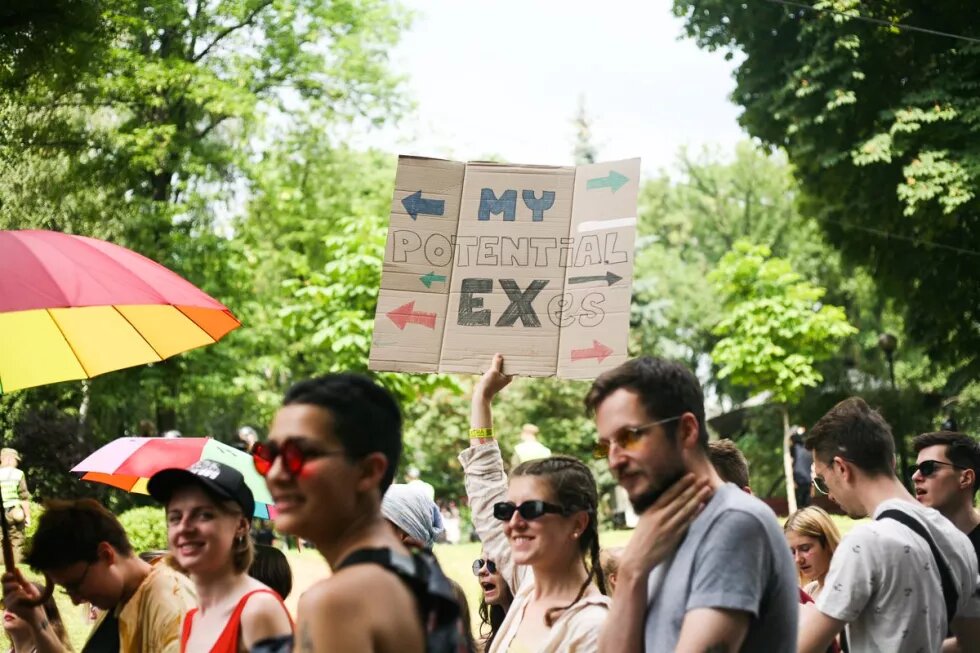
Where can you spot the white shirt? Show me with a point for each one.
(884, 583)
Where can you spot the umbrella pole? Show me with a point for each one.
(8, 547)
(10, 565)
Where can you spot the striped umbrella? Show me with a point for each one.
(128, 464)
(73, 307)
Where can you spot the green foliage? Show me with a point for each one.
(315, 280)
(36, 510)
(881, 127)
(147, 143)
(774, 331)
(146, 528)
(690, 221)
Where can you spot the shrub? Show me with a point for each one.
(146, 528)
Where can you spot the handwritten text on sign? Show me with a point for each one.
(535, 262)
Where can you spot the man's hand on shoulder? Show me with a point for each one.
(662, 526)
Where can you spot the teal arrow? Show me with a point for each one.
(613, 180)
(432, 277)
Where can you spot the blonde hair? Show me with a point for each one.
(814, 522)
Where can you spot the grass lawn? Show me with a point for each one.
(308, 567)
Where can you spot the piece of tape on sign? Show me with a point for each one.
(534, 262)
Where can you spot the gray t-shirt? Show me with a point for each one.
(734, 557)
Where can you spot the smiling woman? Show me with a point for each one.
(540, 531)
(209, 509)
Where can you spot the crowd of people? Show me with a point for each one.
(708, 567)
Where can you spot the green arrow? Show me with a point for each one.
(613, 180)
(432, 277)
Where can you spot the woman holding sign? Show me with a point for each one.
(541, 530)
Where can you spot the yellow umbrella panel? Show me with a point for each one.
(62, 344)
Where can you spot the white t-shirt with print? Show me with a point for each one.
(883, 582)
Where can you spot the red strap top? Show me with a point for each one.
(228, 640)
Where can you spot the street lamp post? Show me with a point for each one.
(888, 343)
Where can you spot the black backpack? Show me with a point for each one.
(438, 608)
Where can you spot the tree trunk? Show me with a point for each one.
(788, 464)
(83, 411)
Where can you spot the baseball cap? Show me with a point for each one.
(220, 479)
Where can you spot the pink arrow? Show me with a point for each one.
(598, 351)
(405, 315)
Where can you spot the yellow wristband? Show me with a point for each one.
(482, 434)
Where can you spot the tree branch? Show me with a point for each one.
(228, 30)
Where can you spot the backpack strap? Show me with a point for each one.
(405, 567)
(950, 595)
(438, 609)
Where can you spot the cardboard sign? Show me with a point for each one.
(534, 262)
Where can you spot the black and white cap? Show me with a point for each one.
(221, 479)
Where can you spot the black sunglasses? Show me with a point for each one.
(478, 565)
(528, 510)
(928, 467)
(294, 456)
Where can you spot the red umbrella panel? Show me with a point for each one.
(73, 307)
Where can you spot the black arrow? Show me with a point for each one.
(415, 205)
(609, 277)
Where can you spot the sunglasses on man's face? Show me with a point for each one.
(528, 510)
(820, 485)
(294, 456)
(929, 467)
(480, 562)
(627, 438)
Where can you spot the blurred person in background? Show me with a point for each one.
(21, 635)
(812, 537)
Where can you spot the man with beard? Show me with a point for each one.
(900, 581)
(729, 584)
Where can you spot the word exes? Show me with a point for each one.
(561, 308)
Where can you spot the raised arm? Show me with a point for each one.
(481, 415)
(483, 474)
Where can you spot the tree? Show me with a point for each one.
(585, 149)
(314, 235)
(774, 331)
(880, 124)
(689, 220)
(145, 145)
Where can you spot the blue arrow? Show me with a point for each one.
(613, 180)
(416, 206)
(431, 277)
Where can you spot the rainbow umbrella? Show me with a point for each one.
(73, 307)
(128, 464)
